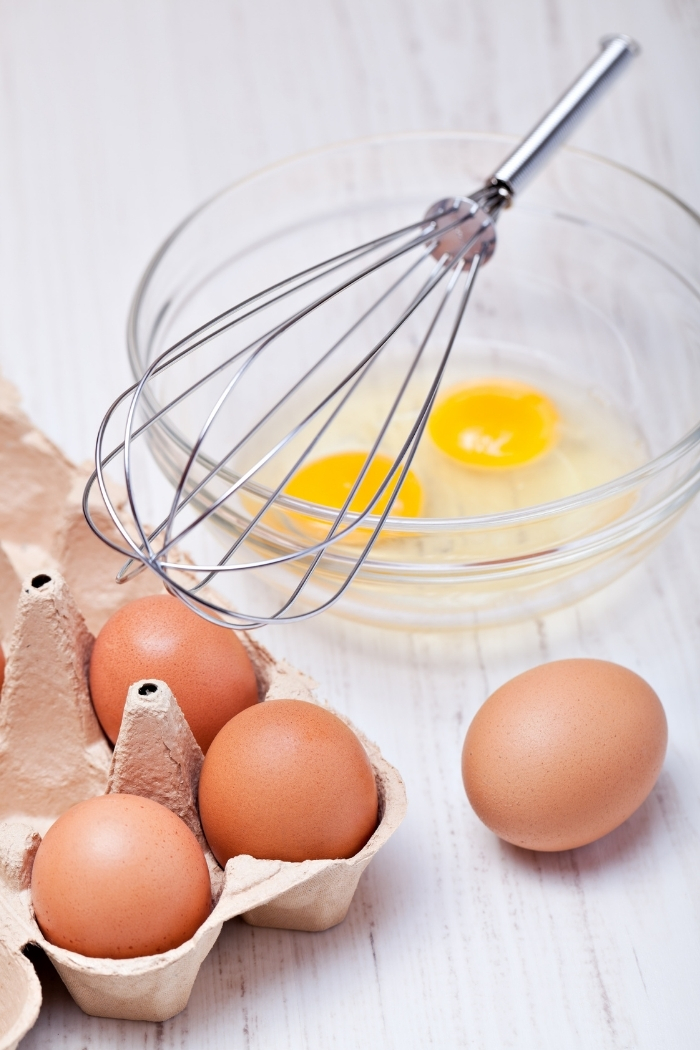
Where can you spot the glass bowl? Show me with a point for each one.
(595, 281)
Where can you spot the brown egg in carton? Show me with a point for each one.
(53, 754)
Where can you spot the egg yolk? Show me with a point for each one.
(328, 481)
(494, 423)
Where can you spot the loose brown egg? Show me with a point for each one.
(120, 876)
(564, 753)
(287, 780)
(206, 666)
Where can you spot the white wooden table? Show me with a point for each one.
(116, 118)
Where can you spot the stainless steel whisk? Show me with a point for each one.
(429, 270)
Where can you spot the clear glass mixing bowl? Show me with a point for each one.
(596, 279)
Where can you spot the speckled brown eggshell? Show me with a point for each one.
(206, 666)
(287, 780)
(564, 753)
(2, 667)
(118, 877)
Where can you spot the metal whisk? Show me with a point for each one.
(279, 373)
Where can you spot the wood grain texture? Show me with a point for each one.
(116, 118)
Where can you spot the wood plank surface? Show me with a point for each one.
(117, 117)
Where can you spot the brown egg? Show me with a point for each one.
(564, 753)
(2, 667)
(287, 780)
(120, 876)
(206, 666)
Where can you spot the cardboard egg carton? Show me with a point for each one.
(53, 754)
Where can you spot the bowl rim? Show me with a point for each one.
(536, 512)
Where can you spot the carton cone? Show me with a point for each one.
(157, 756)
(53, 752)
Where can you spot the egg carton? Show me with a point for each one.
(53, 754)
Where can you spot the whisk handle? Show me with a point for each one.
(559, 122)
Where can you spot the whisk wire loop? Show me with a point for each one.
(256, 349)
(207, 332)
